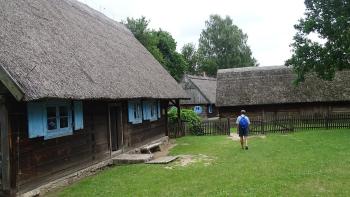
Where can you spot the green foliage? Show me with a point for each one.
(189, 52)
(173, 61)
(330, 21)
(188, 116)
(223, 45)
(139, 27)
(160, 44)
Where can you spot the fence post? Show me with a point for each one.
(228, 125)
(262, 122)
(290, 123)
(327, 121)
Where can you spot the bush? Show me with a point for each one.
(188, 116)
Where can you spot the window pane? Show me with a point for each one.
(51, 124)
(137, 111)
(51, 112)
(63, 111)
(153, 109)
(64, 122)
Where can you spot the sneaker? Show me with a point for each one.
(246, 147)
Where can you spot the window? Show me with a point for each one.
(58, 117)
(210, 108)
(153, 111)
(145, 110)
(135, 112)
(53, 119)
(197, 109)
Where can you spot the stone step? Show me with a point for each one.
(132, 158)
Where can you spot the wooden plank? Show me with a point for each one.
(5, 147)
(11, 84)
(165, 107)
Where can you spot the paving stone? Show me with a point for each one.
(163, 160)
(132, 158)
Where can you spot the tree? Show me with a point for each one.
(330, 21)
(173, 61)
(189, 52)
(160, 44)
(139, 27)
(223, 45)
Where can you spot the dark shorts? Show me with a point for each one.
(243, 132)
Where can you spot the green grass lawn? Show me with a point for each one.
(310, 163)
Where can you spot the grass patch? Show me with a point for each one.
(310, 163)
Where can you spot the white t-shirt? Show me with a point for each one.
(239, 119)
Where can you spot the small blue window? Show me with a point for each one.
(135, 112)
(197, 109)
(150, 110)
(57, 119)
(210, 109)
(53, 119)
(153, 111)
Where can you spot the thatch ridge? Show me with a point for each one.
(206, 87)
(274, 85)
(65, 49)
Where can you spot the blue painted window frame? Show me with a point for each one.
(153, 111)
(58, 132)
(78, 115)
(159, 110)
(198, 109)
(135, 112)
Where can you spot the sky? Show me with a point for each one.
(268, 23)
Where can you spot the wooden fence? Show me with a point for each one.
(267, 124)
(290, 123)
(207, 127)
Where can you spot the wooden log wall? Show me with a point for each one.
(138, 134)
(36, 161)
(205, 114)
(260, 111)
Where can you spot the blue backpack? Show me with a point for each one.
(243, 122)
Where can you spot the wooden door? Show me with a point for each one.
(4, 148)
(116, 129)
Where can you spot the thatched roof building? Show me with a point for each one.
(273, 85)
(64, 49)
(201, 90)
(76, 89)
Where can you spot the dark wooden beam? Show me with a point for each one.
(166, 119)
(11, 84)
(5, 148)
(177, 102)
(173, 103)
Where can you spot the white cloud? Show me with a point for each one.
(269, 23)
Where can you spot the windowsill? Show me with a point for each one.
(153, 119)
(56, 134)
(136, 122)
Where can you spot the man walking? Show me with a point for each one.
(242, 128)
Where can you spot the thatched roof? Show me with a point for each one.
(273, 85)
(201, 90)
(64, 49)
